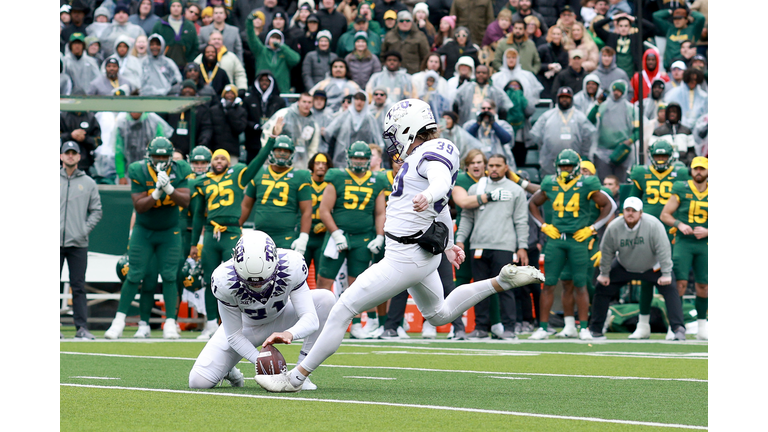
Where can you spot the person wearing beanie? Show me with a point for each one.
(332, 20)
(382, 9)
(408, 40)
(273, 54)
(110, 81)
(101, 16)
(365, 10)
(317, 64)
(82, 68)
(180, 35)
(121, 26)
(361, 61)
(444, 31)
(347, 41)
(460, 46)
(93, 48)
(421, 21)
(476, 15)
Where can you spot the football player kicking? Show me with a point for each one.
(263, 298)
(417, 230)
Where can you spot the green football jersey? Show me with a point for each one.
(570, 201)
(655, 188)
(465, 180)
(594, 210)
(317, 190)
(165, 213)
(277, 197)
(355, 204)
(222, 194)
(186, 215)
(694, 205)
(387, 178)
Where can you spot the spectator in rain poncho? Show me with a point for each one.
(159, 73)
(562, 127)
(120, 27)
(431, 63)
(130, 66)
(357, 125)
(316, 65)
(617, 129)
(397, 81)
(496, 135)
(431, 93)
(692, 98)
(133, 132)
(465, 71)
(701, 135)
(470, 95)
(450, 129)
(101, 17)
(300, 126)
(320, 111)
(93, 49)
(380, 104)
(337, 85)
(110, 82)
(587, 97)
(80, 67)
(65, 82)
(512, 69)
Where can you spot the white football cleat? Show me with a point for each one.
(520, 276)
(539, 334)
(403, 333)
(703, 333)
(670, 334)
(115, 330)
(585, 334)
(643, 331)
(235, 377)
(497, 330)
(279, 383)
(568, 332)
(144, 331)
(209, 329)
(308, 385)
(406, 326)
(371, 325)
(357, 332)
(169, 329)
(378, 332)
(428, 331)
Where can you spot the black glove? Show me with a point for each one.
(482, 115)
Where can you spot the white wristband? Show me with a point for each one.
(428, 196)
(200, 240)
(303, 236)
(524, 183)
(157, 193)
(169, 189)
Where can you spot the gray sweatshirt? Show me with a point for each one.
(79, 208)
(639, 249)
(498, 225)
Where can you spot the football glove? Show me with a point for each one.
(551, 231)
(596, 258)
(157, 193)
(319, 228)
(341, 241)
(376, 244)
(300, 244)
(162, 179)
(499, 195)
(583, 234)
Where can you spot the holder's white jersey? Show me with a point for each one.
(265, 306)
(410, 181)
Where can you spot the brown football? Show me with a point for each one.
(270, 361)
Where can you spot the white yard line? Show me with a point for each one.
(508, 378)
(417, 369)
(400, 405)
(372, 378)
(96, 378)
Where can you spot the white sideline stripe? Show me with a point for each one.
(503, 353)
(96, 378)
(509, 378)
(401, 405)
(420, 369)
(373, 378)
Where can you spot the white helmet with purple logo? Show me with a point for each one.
(403, 122)
(255, 259)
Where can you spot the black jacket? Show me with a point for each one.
(68, 122)
(219, 81)
(335, 23)
(549, 9)
(570, 78)
(451, 51)
(203, 128)
(258, 112)
(381, 7)
(228, 124)
(550, 53)
(675, 128)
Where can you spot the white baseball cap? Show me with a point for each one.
(633, 203)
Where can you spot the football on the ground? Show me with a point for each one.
(270, 361)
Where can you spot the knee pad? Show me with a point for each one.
(196, 381)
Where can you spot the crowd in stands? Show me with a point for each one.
(524, 79)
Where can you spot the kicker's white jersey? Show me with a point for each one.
(410, 181)
(265, 306)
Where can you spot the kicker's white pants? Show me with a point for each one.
(384, 280)
(217, 357)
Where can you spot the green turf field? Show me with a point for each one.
(439, 385)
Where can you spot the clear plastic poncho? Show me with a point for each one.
(531, 86)
(352, 126)
(303, 130)
(158, 74)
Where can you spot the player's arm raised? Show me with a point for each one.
(246, 205)
(262, 155)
